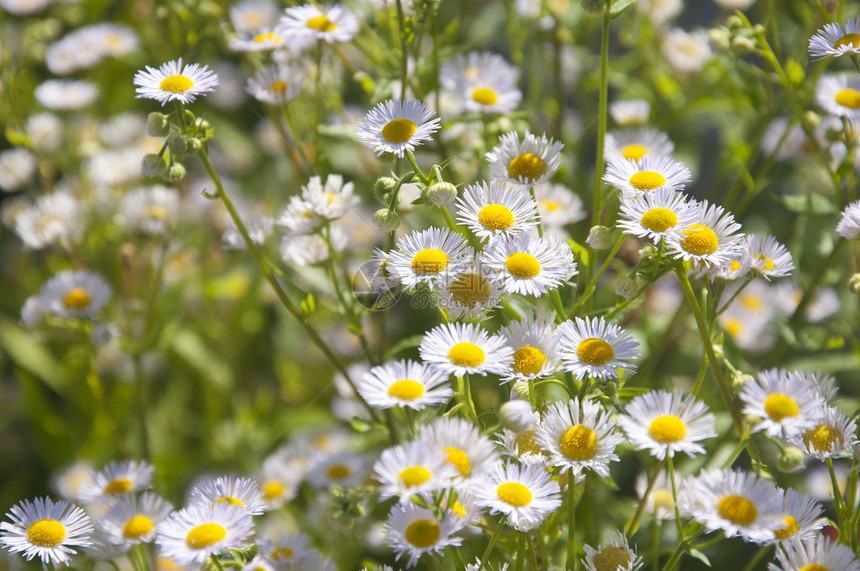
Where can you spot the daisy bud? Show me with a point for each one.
(386, 158)
(388, 220)
(153, 166)
(517, 415)
(442, 194)
(742, 45)
(720, 37)
(734, 22)
(790, 460)
(812, 118)
(610, 390)
(625, 287)
(177, 144)
(157, 124)
(600, 238)
(176, 172)
(593, 7)
(854, 283)
(383, 186)
(739, 380)
(520, 390)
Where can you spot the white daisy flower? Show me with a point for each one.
(596, 348)
(529, 265)
(45, 131)
(397, 126)
(737, 503)
(276, 84)
(486, 82)
(786, 404)
(579, 437)
(413, 468)
(531, 162)
(832, 433)
(242, 492)
(71, 480)
(735, 4)
(461, 348)
(379, 274)
(647, 174)
(839, 95)
(66, 95)
(665, 423)
(118, 479)
(285, 549)
(660, 11)
(279, 479)
(132, 520)
(329, 23)
(422, 257)
(629, 112)
(152, 210)
(114, 40)
(710, 241)
(748, 331)
(836, 39)
(517, 415)
(849, 224)
(468, 295)
(815, 553)
(497, 209)
(195, 533)
(535, 348)
(17, 167)
(313, 249)
(472, 454)
(406, 384)
(24, 7)
(331, 200)
(251, 16)
(660, 502)
(802, 517)
(76, 50)
(414, 531)
(259, 229)
(633, 144)
(75, 293)
(345, 469)
(614, 554)
(173, 81)
(686, 52)
(523, 446)
(558, 206)
(765, 256)
(526, 495)
(655, 214)
(731, 271)
(263, 40)
(822, 384)
(46, 529)
(299, 218)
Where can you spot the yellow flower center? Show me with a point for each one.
(46, 533)
(527, 443)
(594, 351)
(765, 263)
(321, 23)
(737, 509)
(205, 535)
(137, 527)
(282, 554)
(470, 289)
(527, 167)
(458, 510)
(176, 84)
(668, 428)
(406, 389)
(496, 217)
(484, 96)
(528, 360)
(662, 500)
(118, 486)
(229, 500)
(460, 460)
(634, 152)
(848, 98)
(466, 354)
(752, 302)
(578, 443)
(659, 219)
(852, 40)
(279, 86)
(780, 406)
(647, 180)
(514, 493)
(790, 529)
(398, 130)
(822, 438)
(733, 326)
(611, 558)
(422, 533)
(700, 240)
(734, 265)
(273, 490)
(429, 261)
(157, 212)
(337, 472)
(414, 476)
(522, 265)
(77, 298)
(550, 205)
(269, 37)
(814, 567)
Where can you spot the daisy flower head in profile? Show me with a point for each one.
(425, 256)
(314, 22)
(596, 348)
(251, 16)
(816, 553)
(786, 404)
(174, 81)
(633, 144)
(629, 112)
(242, 492)
(66, 94)
(646, 174)
(687, 52)
(472, 454)
(839, 95)
(118, 479)
(660, 501)
(831, 434)
(261, 41)
(485, 81)
(530, 161)
(193, 534)
(413, 531)
(665, 423)
(413, 468)
(579, 436)
(496, 209)
(465, 348)
(397, 126)
(802, 517)
(766, 257)
(849, 225)
(529, 265)
(46, 529)
(344, 469)
(655, 214)
(710, 241)
(276, 84)
(526, 495)
(614, 554)
(405, 384)
(558, 206)
(836, 39)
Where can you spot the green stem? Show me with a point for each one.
(532, 551)
(217, 562)
(631, 527)
(758, 557)
(837, 495)
(539, 223)
(592, 286)
(492, 542)
(571, 521)
(297, 140)
(670, 466)
(404, 52)
(601, 117)
(521, 551)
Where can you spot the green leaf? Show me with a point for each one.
(402, 345)
(190, 348)
(28, 353)
(620, 7)
(807, 203)
(695, 553)
(308, 304)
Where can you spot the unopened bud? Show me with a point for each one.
(442, 194)
(720, 37)
(153, 166)
(383, 186)
(388, 220)
(812, 118)
(157, 124)
(854, 283)
(177, 144)
(517, 415)
(790, 460)
(739, 380)
(176, 172)
(520, 390)
(600, 238)
(625, 287)
(734, 22)
(193, 145)
(610, 390)
(743, 45)
(386, 158)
